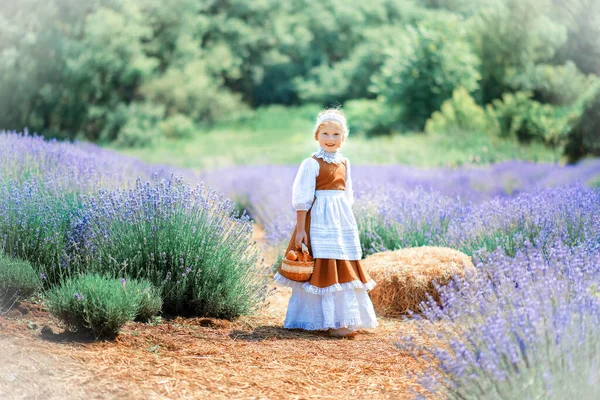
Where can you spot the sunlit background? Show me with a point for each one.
(150, 146)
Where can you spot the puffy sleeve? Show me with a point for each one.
(349, 192)
(303, 190)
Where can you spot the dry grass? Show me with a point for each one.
(252, 357)
(405, 277)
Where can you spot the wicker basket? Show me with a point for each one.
(299, 270)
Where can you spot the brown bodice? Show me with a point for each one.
(331, 176)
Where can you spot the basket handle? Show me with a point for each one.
(304, 248)
(305, 252)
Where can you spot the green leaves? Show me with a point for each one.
(101, 305)
(18, 280)
(422, 74)
(114, 70)
(511, 35)
(461, 114)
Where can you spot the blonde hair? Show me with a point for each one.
(335, 116)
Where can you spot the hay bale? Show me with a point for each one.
(404, 277)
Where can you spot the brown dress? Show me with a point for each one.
(332, 272)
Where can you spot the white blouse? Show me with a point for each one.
(303, 189)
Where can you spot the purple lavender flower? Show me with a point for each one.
(78, 297)
(534, 314)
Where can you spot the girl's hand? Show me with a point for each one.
(301, 237)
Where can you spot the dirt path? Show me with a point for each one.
(252, 357)
(29, 370)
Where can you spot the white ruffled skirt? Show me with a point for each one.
(346, 308)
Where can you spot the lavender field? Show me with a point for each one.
(469, 208)
(522, 328)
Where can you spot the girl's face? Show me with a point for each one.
(330, 136)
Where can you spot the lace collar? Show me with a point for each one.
(329, 156)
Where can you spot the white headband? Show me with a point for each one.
(332, 117)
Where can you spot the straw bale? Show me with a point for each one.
(405, 277)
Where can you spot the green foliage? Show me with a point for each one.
(275, 127)
(509, 36)
(555, 84)
(140, 126)
(580, 17)
(192, 91)
(107, 65)
(177, 126)
(135, 73)
(527, 120)
(18, 280)
(464, 7)
(370, 117)
(185, 241)
(585, 135)
(352, 77)
(148, 299)
(102, 305)
(41, 214)
(422, 75)
(461, 114)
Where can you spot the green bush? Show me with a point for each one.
(102, 305)
(508, 36)
(585, 135)
(554, 84)
(527, 120)
(351, 78)
(194, 91)
(184, 240)
(177, 126)
(461, 114)
(18, 280)
(141, 125)
(419, 77)
(148, 298)
(370, 117)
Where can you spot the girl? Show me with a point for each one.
(335, 298)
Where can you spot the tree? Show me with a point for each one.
(509, 37)
(582, 20)
(420, 75)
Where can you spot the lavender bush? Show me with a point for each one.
(183, 239)
(40, 187)
(397, 219)
(18, 280)
(62, 168)
(102, 305)
(266, 191)
(523, 327)
(72, 209)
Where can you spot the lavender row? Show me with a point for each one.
(73, 167)
(267, 189)
(399, 206)
(73, 209)
(521, 327)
